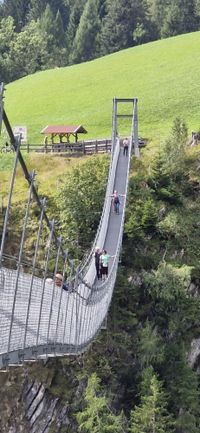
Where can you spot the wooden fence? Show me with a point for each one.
(80, 148)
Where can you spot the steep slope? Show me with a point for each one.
(164, 75)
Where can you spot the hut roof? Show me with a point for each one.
(64, 129)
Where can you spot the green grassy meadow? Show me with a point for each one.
(49, 169)
(164, 75)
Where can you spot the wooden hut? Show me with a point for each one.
(62, 133)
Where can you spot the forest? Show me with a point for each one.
(40, 34)
(139, 376)
(141, 373)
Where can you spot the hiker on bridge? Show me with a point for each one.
(104, 260)
(97, 257)
(125, 146)
(59, 282)
(116, 201)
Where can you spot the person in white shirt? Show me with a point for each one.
(125, 146)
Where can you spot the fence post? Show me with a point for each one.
(83, 144)
(96, 146)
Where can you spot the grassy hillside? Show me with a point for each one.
(164, 75)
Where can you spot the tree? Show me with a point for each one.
(96, 416)
(118, 25)
(80, 200)
(157, 12)
(18, 10)
(150, 349)
(53, 34)
(182, 387)
(114, 31)
(85, 41)
(59, 31)
(74, 19)
(36, 9)
(47, 24)
(29, 51)
(180, 17)
(7, 38)
(174, 149)
(151, 416)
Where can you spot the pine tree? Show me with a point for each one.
(115, 27)
(7, 38)
(47, 26)
(151, 416)
(157, 12)
(74, 19)
(96, 416)
(180, 17)
(36, 9)
(59, 33)
(118, 25)
(150, 348)
(182, 386)
(85, 42)
(18, 9)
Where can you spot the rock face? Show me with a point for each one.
(194, 353)
(34, 411)
(41, 410)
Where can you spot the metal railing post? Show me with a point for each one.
(44, 277)
(65, 319)
(32, 176)
(53, 291)
(77, 305)
(43, 203)
(60, 300)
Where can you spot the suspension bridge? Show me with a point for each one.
(37, 318)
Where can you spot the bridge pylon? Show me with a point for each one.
(133, 116)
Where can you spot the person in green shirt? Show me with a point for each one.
(104, 264)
